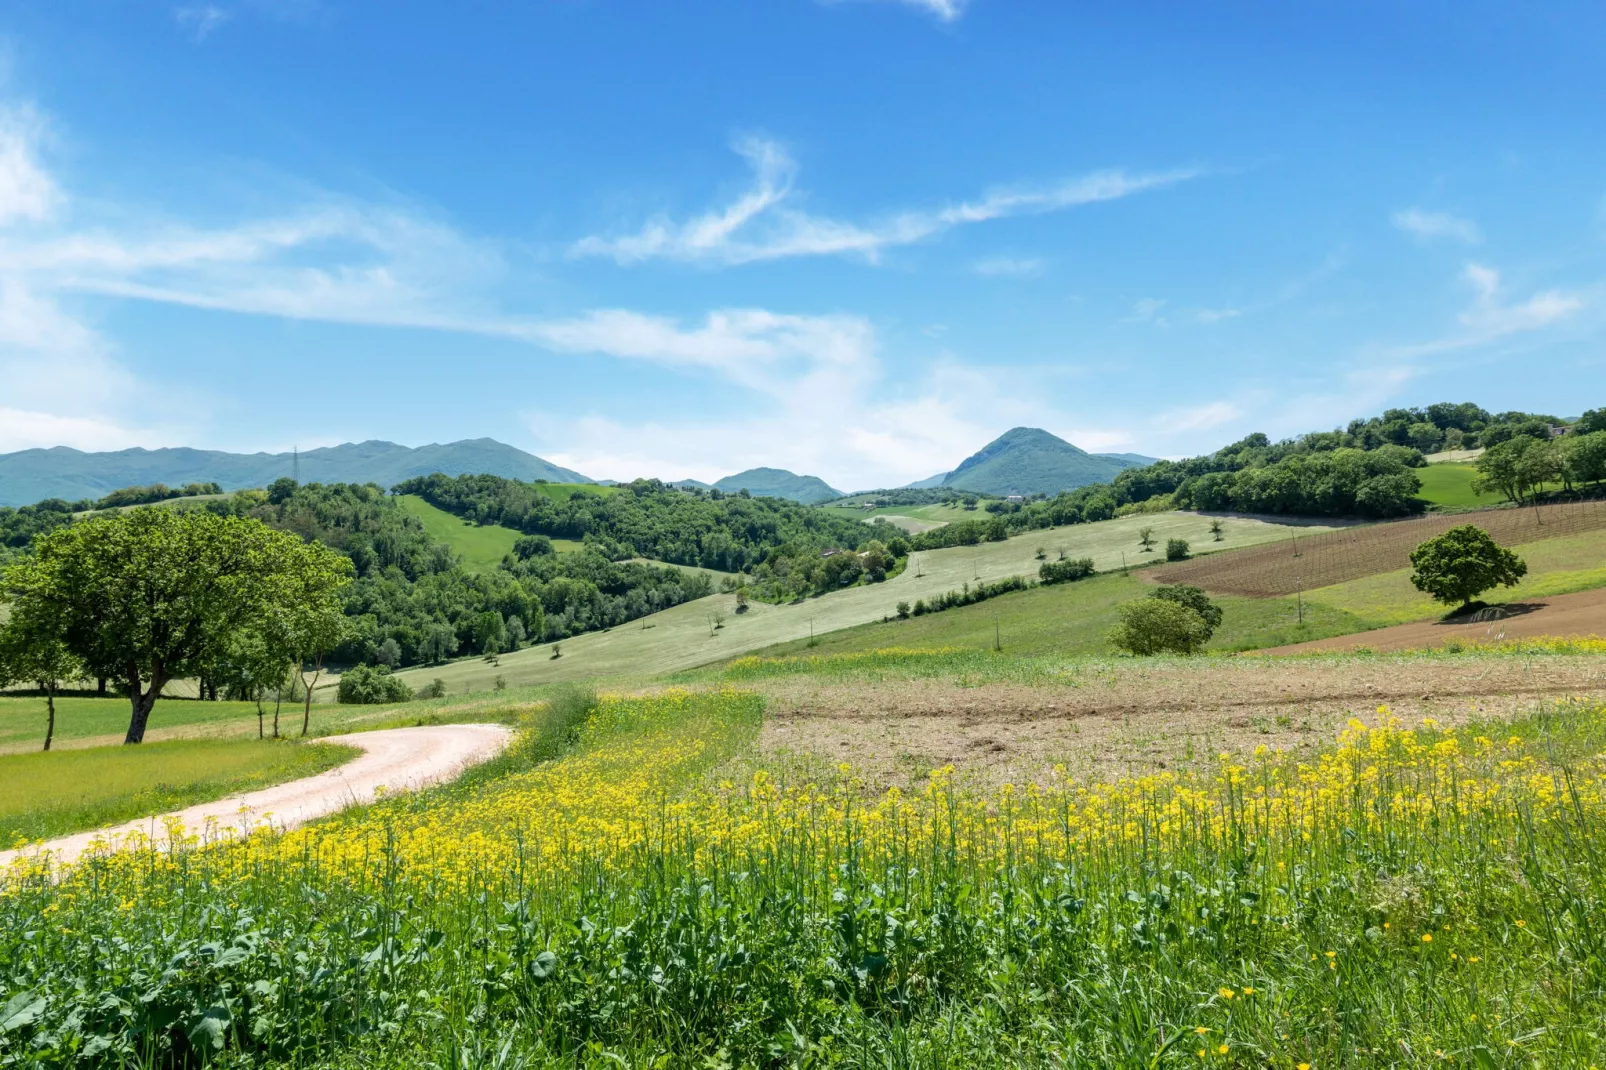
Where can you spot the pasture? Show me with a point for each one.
(1326, 558)
(52, 794)
(480, 547)
(710, 629)
(1449, 486)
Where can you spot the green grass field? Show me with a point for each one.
(685, 636)
(1075, 618)
(927, 515)
(561, 492)
(1449, 486)
(481, 548)
(44, 795)
(87, 721)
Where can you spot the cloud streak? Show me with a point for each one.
(763, 222)
(1434, 225)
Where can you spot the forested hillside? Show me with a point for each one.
(732, 533)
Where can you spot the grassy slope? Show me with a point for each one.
(1450, 486)
(1074, 618)
(1555, 566)
(937, 512)
(681, 637)
(44, 795)
(560, 492)
(481, 548)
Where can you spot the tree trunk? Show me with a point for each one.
(278, 697)
(306, 711)
(100, 686)
(50, 705)
(142, 703)
(260, 715)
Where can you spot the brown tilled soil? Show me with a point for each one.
(1559, 615)
(1318, 560)
(1109, 721)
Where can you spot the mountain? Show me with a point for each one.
(779, 483)
(688, 484)
(1028, 460)
(1128, 460)
(60, 472)
(928, 483)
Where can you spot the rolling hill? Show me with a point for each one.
(61, 472)
(779, 483)
(1029, 460)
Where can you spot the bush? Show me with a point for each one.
(1462, 563)
(1190, 597)
(1177, 550)
(903, 610)
(436, 688)
(1159, 626)
(1065, 571)
(364, 685)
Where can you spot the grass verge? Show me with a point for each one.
(53, 794)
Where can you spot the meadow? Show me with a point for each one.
(636, 886)
(710, 629)
(52, 794)
(480, 547)
(1449, 486)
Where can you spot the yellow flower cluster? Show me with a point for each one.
(638, 789)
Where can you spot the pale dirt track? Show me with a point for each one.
(395, 759)
(1558, 616)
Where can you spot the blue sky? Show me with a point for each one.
(855, 238)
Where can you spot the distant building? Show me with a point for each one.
(830, 553)
(1016, 498)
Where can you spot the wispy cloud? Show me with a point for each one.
(1431, 225)
(200, 20)
(1490, 317)
(27, 192)
(1146, 310)
(763, 224)
(1216, 315)
(946, 10)
(1017, 267)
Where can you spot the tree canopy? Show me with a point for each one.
(151, 595)
(1462, 563)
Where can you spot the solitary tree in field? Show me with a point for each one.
(154, 595)
(1462, 563)
(32, 652)
(1159, 626)
(1146, 539)
(1216, 529)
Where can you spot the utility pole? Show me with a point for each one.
(1299, 597)
(998, 641)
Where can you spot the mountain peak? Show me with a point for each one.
(779, 483)
(1029, 460)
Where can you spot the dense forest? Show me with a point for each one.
(412, 604)
(710, 529)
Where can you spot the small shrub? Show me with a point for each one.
(364, 685)
(1177, 550)
(436, 688)
(903, 610)
(557, 650)
(500, 683)
(1159, 626)
(1064, 571)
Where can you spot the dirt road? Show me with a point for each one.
(395, 759)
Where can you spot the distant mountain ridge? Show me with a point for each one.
(1029, 460)
(61, 472)
(779, 483)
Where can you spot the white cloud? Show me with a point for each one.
(761, 223)
(1017, 267)
(1216, 315)
(946, 10)
(1489, 319)
(27, 193)
(1205, 417)
(1429, 225)
(199, 20)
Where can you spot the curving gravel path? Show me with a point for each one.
(395, 759)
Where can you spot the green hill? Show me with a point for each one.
(1028, 460)
(34, 475)
(779, 483)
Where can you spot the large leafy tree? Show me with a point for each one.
(152, 595)
(1462, 563)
